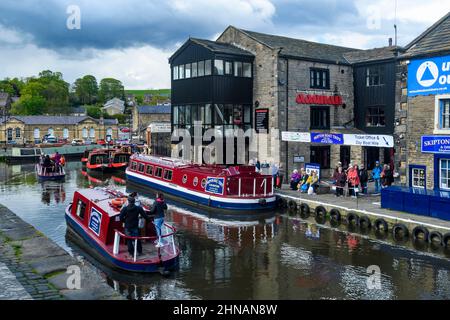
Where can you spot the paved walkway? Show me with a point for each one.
(11, 288)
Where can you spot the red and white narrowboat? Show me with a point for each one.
(93, 219)
(235, 189)
(108, 160)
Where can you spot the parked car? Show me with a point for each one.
(77, 142)
(50, 139)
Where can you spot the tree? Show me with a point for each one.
(29, 105)
(94, 112)
(86, 89)
(111, 88)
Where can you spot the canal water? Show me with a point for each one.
(280, 258)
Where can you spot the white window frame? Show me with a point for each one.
(418, 178)
(448, 173)
(437, 106)
(66, 133)
(37, 133)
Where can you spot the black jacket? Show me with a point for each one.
(158, 208)
(130, 215)
(363, 175)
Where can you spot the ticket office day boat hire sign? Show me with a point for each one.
(365, 140)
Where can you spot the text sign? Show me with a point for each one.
(327, 138)
(436, 144)
(369, 140)
(296, 136)
(299, 159)
(95, 221)
(310, 167)
(429, 76)
(262, 120)
(214, 185)
(334, 100)
(160, 127)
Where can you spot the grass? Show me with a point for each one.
(158, 92)
(17, 250)
(54, 273)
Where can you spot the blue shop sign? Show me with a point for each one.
(95, 221)
(429, 76)
(214, 185)
(436, 144)
(327, 138)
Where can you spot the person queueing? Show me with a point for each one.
(388, 176)
(130, 215)
(376, 175)
(363, 178)
(353, 180)
(340, 178)
(313, 181)
(158, 208)
(302, 185)
(295, 179)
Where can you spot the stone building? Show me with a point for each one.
(143, 116)
(29, 129)
(114, 106)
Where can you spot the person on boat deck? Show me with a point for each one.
(158, 208)
(47, 162)
(57, 159)
(130, 215)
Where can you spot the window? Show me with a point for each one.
(50, 131)
(201, 68)
(207, 67)
(238, 69)
(444, 177)
(228, 67)
(36, 133)
(65, 133)
(417, 177)
(194, 69)
(181, 72)
(218, 67)
(320, 78)
(321, 155)
(149, 170)
(158, 172)
(187, 71)
(81, 209)
(84, 133)
(203, 183)
(133, 166)
(10, 134)
(444, 114)
(109, 132)
(17, 132)
(91, 133)
(247, 114)
(195, 182)
(320, 117)
(247, 70)
(168, 175)
(175, 73)
(344, 156)
(374, 76)
(375, 117)
(141, 167)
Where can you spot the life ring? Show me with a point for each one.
(282, 203)
(352, 218)
(399, 227)
(118, 202)
(381, 225)
(420, 230)
(305, 211)
(446, 239)
(292, 205)
(435, 237)
(320, 214)
(364, 222)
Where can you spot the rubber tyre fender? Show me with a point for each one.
(380, 222)
(436, 235)
(335, 215)
(446, 240)
(282, 203)
(364, 222)
(420, 229)
(320, 214)
(400, 227)
(292, 205)
(352, 217)
(304, 211)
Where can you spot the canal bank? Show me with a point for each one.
(34, 267)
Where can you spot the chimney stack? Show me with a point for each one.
(390, 42)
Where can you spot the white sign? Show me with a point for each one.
(160, 127)
(296, 136)
(369, 140)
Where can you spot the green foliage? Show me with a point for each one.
(86, 90)
(11, 86)
(111, 88)
(94, 111)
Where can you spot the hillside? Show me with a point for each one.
(157, 92)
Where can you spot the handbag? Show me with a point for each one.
(310, 190)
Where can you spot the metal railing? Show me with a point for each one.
(56, 170)
(169, 232)
(250, 187)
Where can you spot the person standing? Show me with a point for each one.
(353, 180)
(158, 209)
(274, 173)
(340, 178)
(388, 176)
(258, 166)
(130, 215)
(376, 175)
(363, 178)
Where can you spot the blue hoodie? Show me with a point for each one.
(376, 172)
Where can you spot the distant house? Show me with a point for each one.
(143, 116)
(114, 106)
(148, 98)
(78, 111)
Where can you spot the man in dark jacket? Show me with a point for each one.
(130, 215)
(363, 178)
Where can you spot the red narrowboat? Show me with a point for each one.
(108, 160)
(93, 222)
(234, 191)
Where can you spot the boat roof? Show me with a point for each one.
(101, 198)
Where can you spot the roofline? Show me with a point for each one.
(248, 35)
(424, 54)
(342, 63)
(426, 32)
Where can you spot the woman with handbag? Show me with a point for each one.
(353, 180)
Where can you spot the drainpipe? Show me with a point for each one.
(286, 115)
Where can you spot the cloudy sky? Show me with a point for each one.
(131, 40)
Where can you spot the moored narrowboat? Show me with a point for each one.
(235, 191)
(93, 219)
(108, 160)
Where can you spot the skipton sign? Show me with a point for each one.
(429, 76)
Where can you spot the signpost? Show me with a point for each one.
(436, 144)
(296, 136)
(309, 167)
(262, 120)
(429, 76)
(327, 138)
(369, 140)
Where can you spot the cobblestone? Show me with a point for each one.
(12, 289)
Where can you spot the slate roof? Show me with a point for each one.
(298, 48)
(435, 39)
(375, 54)
(4, 98)
(110, 121)
(154, 109)
(53, 120)
(220, 47)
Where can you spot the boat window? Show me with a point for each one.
(158, 172)
(149, 170)
(141, 167)
(168, 175)
(81, 209)
(195, 181)
(133, 166)
(203, 183)
(184, 178)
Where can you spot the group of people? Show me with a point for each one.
(132, 214)
(304, 182)
(355, 178)
(52, 164)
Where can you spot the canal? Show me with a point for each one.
(280, 258)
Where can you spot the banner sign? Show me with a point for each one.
(327, 138)
(429, 76)
(214, 185)
(436, 144)
(309, 167)
(95, 221)
(334, 100)
(369, 140)
(160, 127)
(262, 120)
(296, 136)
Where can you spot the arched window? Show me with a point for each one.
(84, 133)
(109, 132)
(51, 131)
(92, 133)
(17, 132)
(66, 133)
(36, 133)
(9, 134)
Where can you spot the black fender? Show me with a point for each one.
(292, 205)
(436, 237)
(364, 222)
(320, 214)
(381, 225)
(420, 230)
(352, 218)
(446, 240)
(304, 210)
(397, 228)
(335, 215)
(282, 203)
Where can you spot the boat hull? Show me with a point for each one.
(100, 253)
(51, 178)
